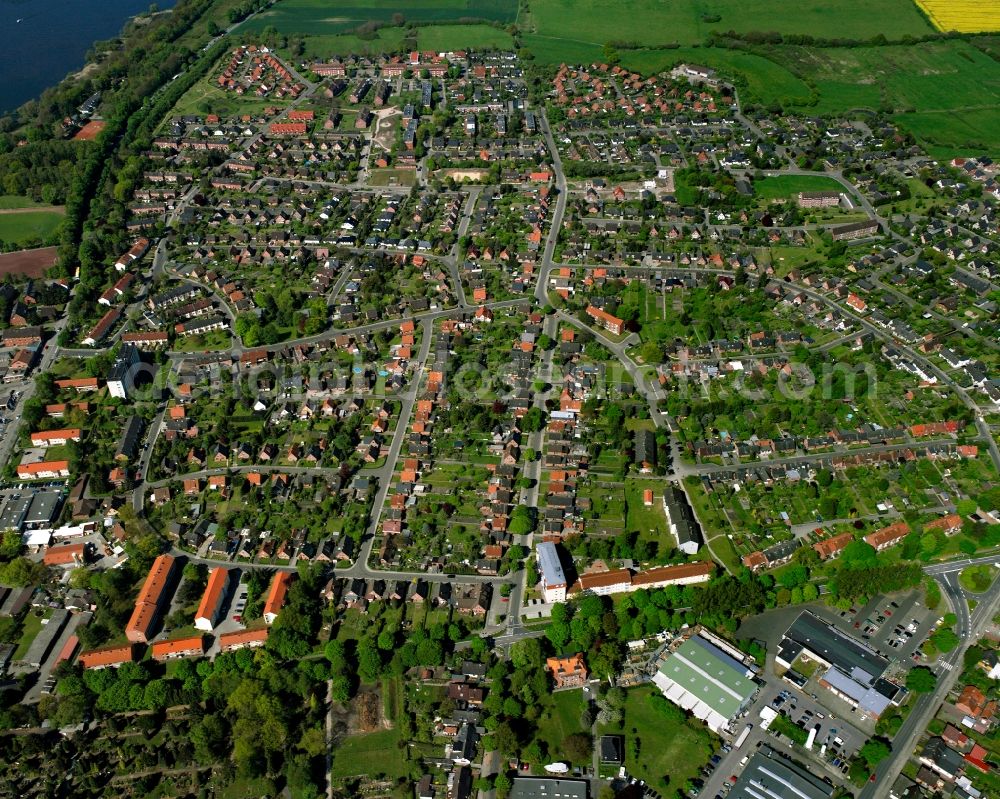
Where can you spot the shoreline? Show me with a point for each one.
(88, 68)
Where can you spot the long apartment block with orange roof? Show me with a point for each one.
(179, 648)
(152, 597)
(276, 596)
(212, 600)
(109, 656)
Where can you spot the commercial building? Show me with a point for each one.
(547, 788)
(553, 576)
(68, 555)
(770, 775)
(212, 600)
(43, 510)
(152, 597)
(704, 676)
(14, 513)
(853, 671)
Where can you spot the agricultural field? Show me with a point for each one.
(29, 263)
(934, 76)
(945, 93)
(652, 23)
(964, 16)
(320, 17)
(29, 226)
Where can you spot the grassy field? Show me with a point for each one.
(560, 719)
(369, 754)
(946, 134)
(964, 16)
(651, 522)
(21, 228)
(9, 201)
(321, 17)
(652, 22)
(439, 38)
(206, 97)
(442, 38)
(665, 748)
(784, 186)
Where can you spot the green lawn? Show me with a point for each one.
(977, 579)
(665, 748)
(23, 228)
(30, 628)
(371, 754)
(787, 186)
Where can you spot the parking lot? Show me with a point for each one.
(837, 739)
(895, 627)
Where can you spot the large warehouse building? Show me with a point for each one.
(854, 672)
(700, 676)
(770, 775)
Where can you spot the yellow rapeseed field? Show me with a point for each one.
(964, 16)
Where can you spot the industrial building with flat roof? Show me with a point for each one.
(712, 684)
(854, 672)
(547, 788)
(770, 775)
